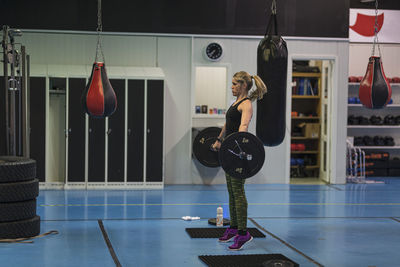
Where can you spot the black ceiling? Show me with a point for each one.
(382, 4)
(314, 18)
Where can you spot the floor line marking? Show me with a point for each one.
(109, 245)
(395, 219)
(285, 243)
(262, 218)
(334, 187)
(325, 217)
(215, 204)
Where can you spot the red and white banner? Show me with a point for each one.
(362, 23)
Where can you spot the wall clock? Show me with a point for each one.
(214, 51)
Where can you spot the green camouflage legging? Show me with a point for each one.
(237, 202)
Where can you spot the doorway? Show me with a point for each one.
(311, 98)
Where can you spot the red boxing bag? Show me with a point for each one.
(375, 91)
(99, 98)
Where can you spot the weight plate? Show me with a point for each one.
(202, 147)
(242, 155)
(278, 263)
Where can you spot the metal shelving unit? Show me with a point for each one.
(378, 147)
(307, 104)
(373, 126)
(360, 105)
(376, 130)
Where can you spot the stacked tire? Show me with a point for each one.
(18, 191)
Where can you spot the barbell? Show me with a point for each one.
(241, 154)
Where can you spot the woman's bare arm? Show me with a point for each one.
(217, 144)
(222, 133)
(247, 112)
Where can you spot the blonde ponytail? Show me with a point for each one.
(245, 77)
(260, 90)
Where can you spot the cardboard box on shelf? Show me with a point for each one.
(310, 129)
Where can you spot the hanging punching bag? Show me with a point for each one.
(99, 98)
(272, 57)
(375, 91)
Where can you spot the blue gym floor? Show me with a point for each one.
(314, 225)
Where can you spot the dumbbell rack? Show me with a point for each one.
(376, 130)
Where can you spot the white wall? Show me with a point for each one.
(174, 58)
(360, 53)
(177, 56)
(208, 84)
(80, 49)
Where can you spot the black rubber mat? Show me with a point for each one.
(217, 232)
(255, 260)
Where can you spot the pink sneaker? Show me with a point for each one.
(240, 241)
(228, 235)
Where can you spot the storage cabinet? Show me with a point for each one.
(37, 131)
(76, 131)
(306, 126)
(116, 135)
(97, 149)
(56, 122)
(3, 142)
(135, 132)
(122, 151)
(155, 121)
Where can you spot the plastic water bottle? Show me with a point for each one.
(220, 217)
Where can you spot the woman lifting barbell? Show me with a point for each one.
(238, 118)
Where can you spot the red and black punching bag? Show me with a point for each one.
(99, 98)
(375, 91)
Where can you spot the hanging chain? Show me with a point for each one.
(273, 7)
(99, 30)
(376, 26)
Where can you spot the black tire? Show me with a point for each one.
(16, 169)
(20, 229)
(22, 191)
(15, 211)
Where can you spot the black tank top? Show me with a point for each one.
(233, 118)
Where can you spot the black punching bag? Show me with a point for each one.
(272, 58)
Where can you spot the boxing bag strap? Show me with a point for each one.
(272, 20)
(376, 29)
(99, 30)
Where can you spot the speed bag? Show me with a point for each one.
(272, 58)
(375, 91)
(99, 98)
